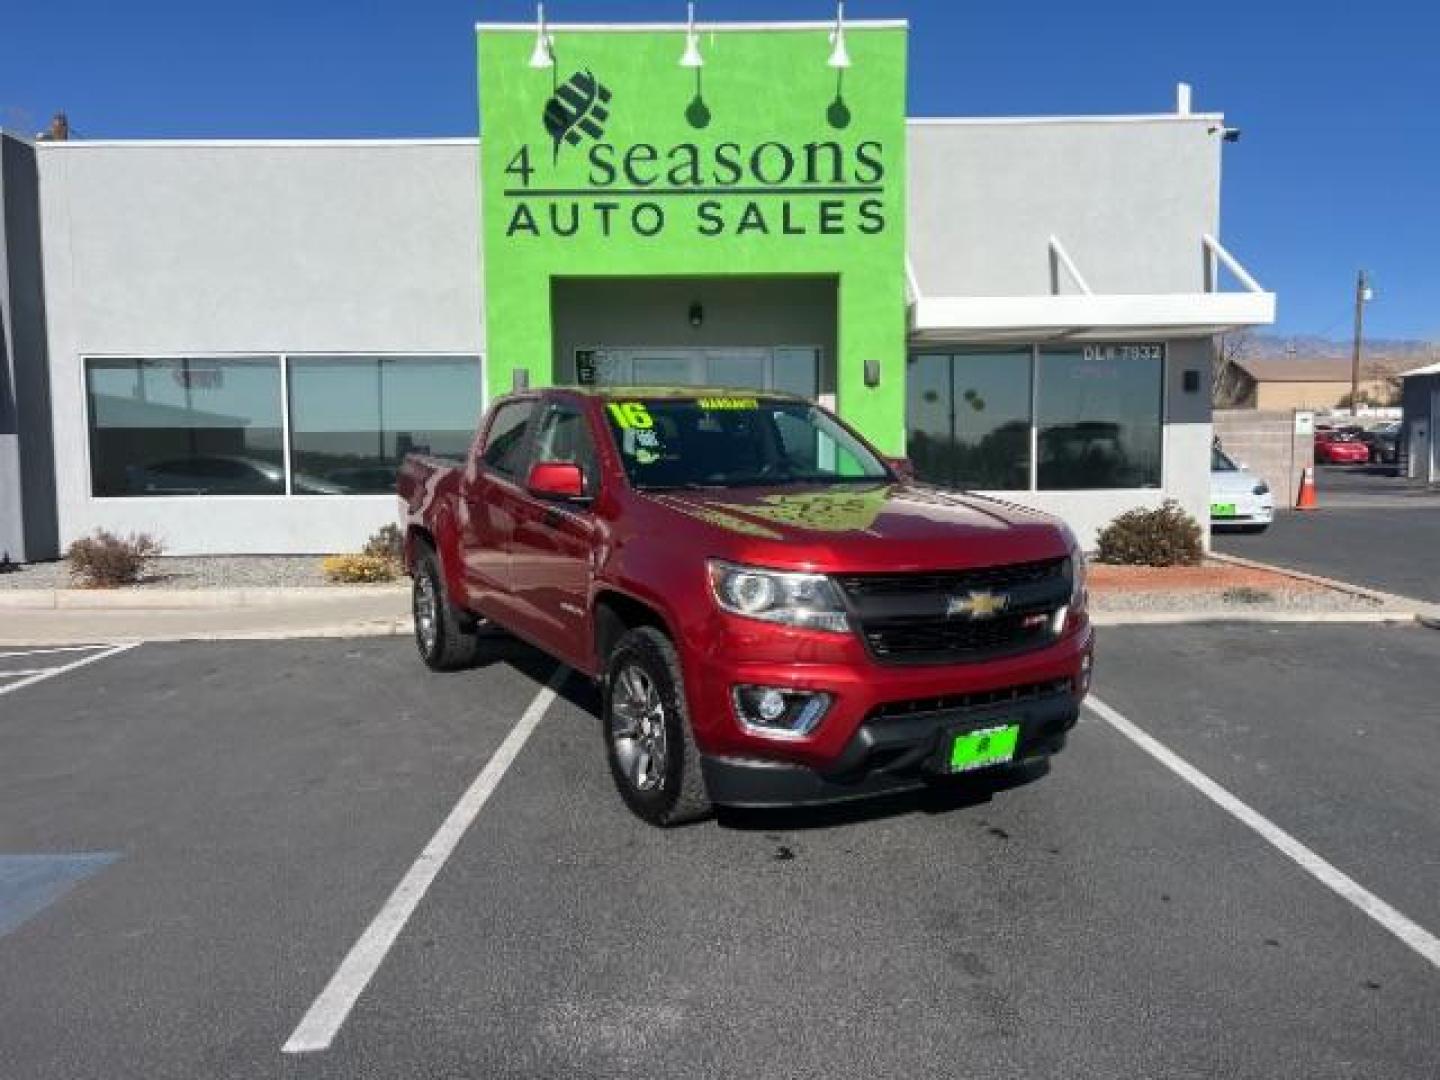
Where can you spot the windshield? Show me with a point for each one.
(735, 441)
(1220, 463)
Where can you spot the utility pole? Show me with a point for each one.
(1362, 294)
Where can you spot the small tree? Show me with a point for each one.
(1225, 378)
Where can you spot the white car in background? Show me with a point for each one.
(1238, 498)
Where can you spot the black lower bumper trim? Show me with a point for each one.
(892, 754)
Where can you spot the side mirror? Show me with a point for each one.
(556, 480)
(902, 466)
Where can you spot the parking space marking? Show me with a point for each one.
(49, 649)
(1406, 929)
(40, 674)
(327, 1014)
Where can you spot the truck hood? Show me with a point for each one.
(859, 527)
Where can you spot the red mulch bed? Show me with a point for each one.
(1207, 577)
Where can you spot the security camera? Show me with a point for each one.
(1230, 134)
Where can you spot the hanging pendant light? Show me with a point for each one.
(692, 57)
(839, 55)
(544, 54)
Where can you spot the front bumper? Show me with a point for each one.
(885, 722)
(1249, 510)
(888, 753)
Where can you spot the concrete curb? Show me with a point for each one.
(359, 628)
(1180, 618)
(186, 599)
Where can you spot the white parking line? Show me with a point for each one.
(50, 649)
(319, 1026)
(1407, 930)
(40, 674)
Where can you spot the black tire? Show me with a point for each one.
(672, 792)
(447, 641)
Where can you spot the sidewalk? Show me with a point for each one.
(81, 616)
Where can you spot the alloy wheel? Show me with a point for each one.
(637, 727)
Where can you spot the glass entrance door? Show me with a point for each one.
(666, 367)
(793, 369)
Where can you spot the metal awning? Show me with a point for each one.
(1085, 315)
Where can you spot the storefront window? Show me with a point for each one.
(1099, 416)
(969, 419)
(185, 427)
(352, 419)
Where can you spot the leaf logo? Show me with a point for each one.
(580, 105)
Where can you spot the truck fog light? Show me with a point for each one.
(779, 712)
(771, 706)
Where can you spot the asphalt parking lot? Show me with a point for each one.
(1373, 528)
(193, 837)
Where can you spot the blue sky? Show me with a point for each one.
(1338, 166)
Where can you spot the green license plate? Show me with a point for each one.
(1222, 509)
(988, 746)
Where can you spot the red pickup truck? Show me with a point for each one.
(775, 613)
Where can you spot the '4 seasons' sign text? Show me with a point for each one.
(771, 188)
(582, 185)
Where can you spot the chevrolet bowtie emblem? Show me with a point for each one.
(977, 605)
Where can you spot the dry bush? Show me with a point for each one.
(387, 543)
(103, 560)
(358, 569)
(1163, 537)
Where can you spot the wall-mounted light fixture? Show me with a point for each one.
(872, 372)
(839, 55)
(692, 57)
(543, 55)
(697, 315)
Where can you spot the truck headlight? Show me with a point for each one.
(809, 601)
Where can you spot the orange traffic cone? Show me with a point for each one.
(1306, 499)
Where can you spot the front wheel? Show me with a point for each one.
(648, 743)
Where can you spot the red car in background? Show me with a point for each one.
(1340, 448)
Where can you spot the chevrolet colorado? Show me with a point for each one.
(775, 613)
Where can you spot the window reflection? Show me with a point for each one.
(969, 419)
(1100, 417)
(353, 419)
(185, 427)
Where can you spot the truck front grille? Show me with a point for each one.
(905, 619)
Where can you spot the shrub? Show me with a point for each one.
(358, 569)
(1164, 537)
(387, 543)
(103, 560)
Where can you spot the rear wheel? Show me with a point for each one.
(648, 743)
(446, 640)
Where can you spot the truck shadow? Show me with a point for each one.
(939, 797)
